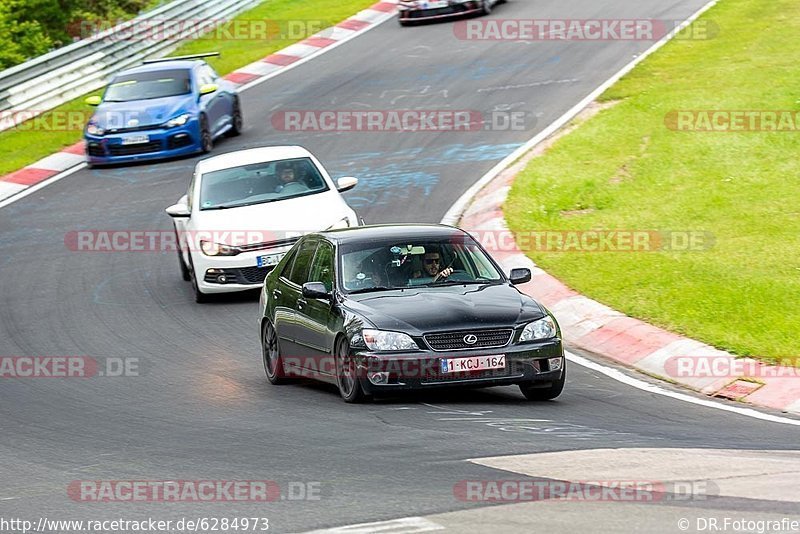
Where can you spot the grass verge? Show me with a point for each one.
(627, 169)
(241, 45)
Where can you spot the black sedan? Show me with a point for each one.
(411, 11)
(377, 309)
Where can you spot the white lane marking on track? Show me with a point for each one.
(406, 525)
(619, 376)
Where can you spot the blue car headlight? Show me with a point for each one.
(180, 120)
(544, 328)
(93, 129)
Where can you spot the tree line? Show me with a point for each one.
(30, 28)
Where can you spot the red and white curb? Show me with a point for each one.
(598, 329)
(71, 157)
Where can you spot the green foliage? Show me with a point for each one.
(29, 28)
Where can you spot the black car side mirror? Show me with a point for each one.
(315, 290)
(520, 275)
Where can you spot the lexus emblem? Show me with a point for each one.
(470, 339)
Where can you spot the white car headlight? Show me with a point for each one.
(180, 120)
(344, 223)
(544, 328)
(381, 340)
(210, 248)
(93, 129)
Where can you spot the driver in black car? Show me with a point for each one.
(432, 266)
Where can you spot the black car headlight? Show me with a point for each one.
(383, 340)
(210, 248)
(544, 328)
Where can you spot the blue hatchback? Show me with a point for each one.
(164, 108)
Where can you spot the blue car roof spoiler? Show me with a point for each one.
(178, 58)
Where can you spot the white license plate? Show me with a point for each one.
(135, 139)
(269, 260)
(473, 363)
(435, 4)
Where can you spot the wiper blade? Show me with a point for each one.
(456, 283)
(371, 289)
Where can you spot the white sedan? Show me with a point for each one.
(244, 210)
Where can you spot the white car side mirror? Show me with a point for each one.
(178, 210)
(345, 184)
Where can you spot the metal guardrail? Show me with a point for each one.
(47, 81)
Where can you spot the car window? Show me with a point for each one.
(302, 261)
(413, 263)
(258, 183)
(288, 263)
(148, 85)
(205, 74)
(322, 267)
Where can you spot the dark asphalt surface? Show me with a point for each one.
(202, 408)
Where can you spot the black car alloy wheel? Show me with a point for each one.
(206, 141)
(346, 374)
(271, 355)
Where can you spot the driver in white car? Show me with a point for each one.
(287, 175)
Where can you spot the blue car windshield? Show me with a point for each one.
(148, 85)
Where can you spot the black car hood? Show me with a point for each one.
(429, 309)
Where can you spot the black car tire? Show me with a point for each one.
(199, 296)
(534, 393)
(206, 139)
(346, 376)
(271, 356)
(185, 274)
(236, 121)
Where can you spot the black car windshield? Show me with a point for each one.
(148, 85)
(401, 264)
(260, 182)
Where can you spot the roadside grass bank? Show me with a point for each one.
(650, 163)
(288, 22)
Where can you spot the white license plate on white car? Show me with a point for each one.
(269, 260)
(473, 363)
(435, 4)
(135, 139)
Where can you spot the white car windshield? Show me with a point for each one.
(260, 182)
(413, 263)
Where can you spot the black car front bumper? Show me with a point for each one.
(411, 12)
(525, 363)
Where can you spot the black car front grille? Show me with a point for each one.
(95, 149)
(129, 150)
(486, 339)
(255, 275)
(178, 141)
